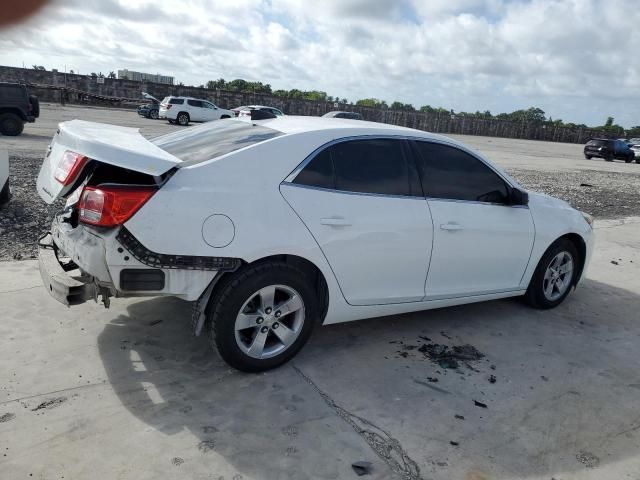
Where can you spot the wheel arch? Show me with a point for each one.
(314, 273)
(580, 245)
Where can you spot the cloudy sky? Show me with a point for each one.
(578, 60)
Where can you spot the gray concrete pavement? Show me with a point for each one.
(126, 393)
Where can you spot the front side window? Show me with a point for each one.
(450, 173)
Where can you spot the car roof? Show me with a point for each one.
(299, 124)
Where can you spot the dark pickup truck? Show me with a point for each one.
(17, 107)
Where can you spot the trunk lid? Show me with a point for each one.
(122, 147)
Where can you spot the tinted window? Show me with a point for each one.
(448, 172)
(213, 139)
(176, 101)
(195, 103)
(318, 172)
(373, 166)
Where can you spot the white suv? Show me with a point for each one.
(187, 109)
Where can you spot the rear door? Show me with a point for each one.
(196, 110)
(481, 244)
(362, 202)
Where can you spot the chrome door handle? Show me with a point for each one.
(335, 222)
(451, 226)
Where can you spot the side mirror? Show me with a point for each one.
(518, 197)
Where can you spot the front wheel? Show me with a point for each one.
(554, 276)
(261, 317)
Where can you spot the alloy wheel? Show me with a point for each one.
(558, 276)
(269, 321)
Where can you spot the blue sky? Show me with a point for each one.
(575, 59)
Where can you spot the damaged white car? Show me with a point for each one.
(273, 226)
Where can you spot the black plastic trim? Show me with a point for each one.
(142, 279)
(183, 262)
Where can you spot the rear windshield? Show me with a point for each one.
(213, 139)
(597, 143)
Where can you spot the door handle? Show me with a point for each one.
(451, 226)
(335, 222)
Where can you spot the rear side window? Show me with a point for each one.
(213, 139)
(195, 103)
(448, 172)
(176, 101)
(377, 166)
(318, 172)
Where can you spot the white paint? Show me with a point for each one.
(218, 231)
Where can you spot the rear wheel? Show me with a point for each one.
(554, 275)
(588, 157)
(183, 119)
(153, 114)
(11, 124)
(628, 159)
(261, 317)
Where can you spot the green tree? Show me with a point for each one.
(216, 84)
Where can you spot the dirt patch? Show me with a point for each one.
(7, 417)
(49, 404)
(588, 459)
(443, 355)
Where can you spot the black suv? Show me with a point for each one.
(608, 149)
(16, 108)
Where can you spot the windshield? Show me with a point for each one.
(213, 139)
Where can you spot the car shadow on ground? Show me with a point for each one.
(564, 400)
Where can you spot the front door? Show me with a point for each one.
(361, 200)
(482, 244)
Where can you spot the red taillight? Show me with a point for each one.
(111, 206)
(69, 167)
(169, 106)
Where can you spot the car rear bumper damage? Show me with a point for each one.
(67, 289)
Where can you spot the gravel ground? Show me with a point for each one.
(602, 194)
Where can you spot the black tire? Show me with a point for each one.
(535, 295)
(11, 124)
(153, 114)
(588, 157)
(225, 116)
(232, 293)
(5, 193)
(183, 119)
(608, 158)
(629, 159)
(35, 105)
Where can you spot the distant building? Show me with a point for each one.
(144, 77)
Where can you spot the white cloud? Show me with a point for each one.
(576, 59)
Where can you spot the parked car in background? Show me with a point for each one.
(608, 149)
(348, 115)
(151, 109)
(299, 221)
(635, 148)
(183, 110)
(17, 107)
(245, 111)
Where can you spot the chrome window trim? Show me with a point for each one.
(289, 179)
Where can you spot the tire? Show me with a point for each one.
(608, 158)
(629, 159)
(588, 157)
(11, 124)
(35, 105)
(224, 116)
(5, 193)
(241, 292)
(153, 114)
(536, 295)
(183, 119)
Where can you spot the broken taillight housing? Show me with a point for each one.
(69, 167)
(110, 206)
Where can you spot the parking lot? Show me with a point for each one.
(129, 393)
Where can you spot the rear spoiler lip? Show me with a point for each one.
(123, 147)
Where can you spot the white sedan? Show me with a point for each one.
(276, 226)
